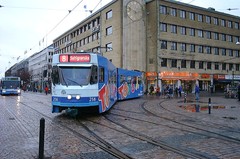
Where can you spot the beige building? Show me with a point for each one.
(173, 42)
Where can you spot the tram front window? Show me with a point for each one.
(72, 76)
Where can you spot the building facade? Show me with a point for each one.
(40, 65)
(172, 42)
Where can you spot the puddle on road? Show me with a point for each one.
(197, 108)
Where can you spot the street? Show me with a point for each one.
(148, 127)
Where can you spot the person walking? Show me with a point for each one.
(197, 91)
(180, 91)
(46, 90)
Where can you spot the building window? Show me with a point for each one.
(164, 62)
(209, 65)
(230, 51)
(183, 30)
(230, 66)
(200, 17)
(208, 50)
(200, 33)
(223, 22)
(208, 34)
(236, 53)
(173, 46)
(174, 29)
(108, 47)
(223, 37)
(183, 47)
(237, 67)
(224, 66)
(229, 24)
(183, 63)
(191, 16)
(192, 32)
(236, 39)
(173, 12)
(223, 52)
(200, 49)
(174, 63)
(216, 51)
(208, 19)
(109, 30)
(182, 14)
(192, 64)
(164, 45)
(216, 66)
(236, 25)
(215, 21)
(163, 27)
(230, 38)
(109, 14)
(163, 9)
(192, 48)
(200, 64)
(216, 36)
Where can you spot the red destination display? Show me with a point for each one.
(74, 58)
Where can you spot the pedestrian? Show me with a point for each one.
(180, 91)
(197, 91)
(239, 92)
(151, 90)
(46, 90)
(176, 91)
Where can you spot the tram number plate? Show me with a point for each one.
(92, 99)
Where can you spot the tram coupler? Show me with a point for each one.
(209, 106)
(41, 139)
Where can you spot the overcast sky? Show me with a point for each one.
(24, 24)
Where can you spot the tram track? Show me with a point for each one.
(99, 142)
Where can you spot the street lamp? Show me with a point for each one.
(238, 43)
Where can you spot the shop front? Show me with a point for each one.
(187, 80)
(222, 82)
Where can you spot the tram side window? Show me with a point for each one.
(101, 74)
(129, 78)
(55, 75)
(94, 75)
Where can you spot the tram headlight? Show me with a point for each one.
(18, 91)
(77, 97)
(69, 97)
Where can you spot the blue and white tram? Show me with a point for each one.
(88, 81)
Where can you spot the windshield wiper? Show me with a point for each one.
(74, 82)
(63, 77)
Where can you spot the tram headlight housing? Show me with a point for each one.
(77, 97)
(69, 97)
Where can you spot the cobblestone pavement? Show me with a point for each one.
(172, 121)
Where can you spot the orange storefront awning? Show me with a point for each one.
(168, 75)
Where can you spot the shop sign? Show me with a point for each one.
(167, 75)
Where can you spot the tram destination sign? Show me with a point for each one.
(74, 58)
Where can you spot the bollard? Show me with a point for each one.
(185, 97)
(209, 106)
(41, 139)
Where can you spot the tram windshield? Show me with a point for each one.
(71, 76)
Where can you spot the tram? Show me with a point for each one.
(10, 86)
(90, 82)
